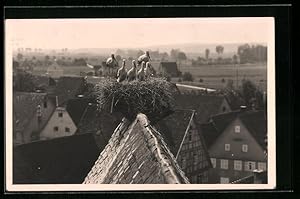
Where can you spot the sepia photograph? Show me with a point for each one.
(140, 104)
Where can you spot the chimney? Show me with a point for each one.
(39, 113)
(56, 101)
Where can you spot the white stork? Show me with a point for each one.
(145, 57)
(141, 72)
(148, 71)
(121, 75)
(111, 62)
(131, 74)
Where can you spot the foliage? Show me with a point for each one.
(187, 77)
(252, 54)
(24, 82)
(219, 49)
(153, 97)
(206, 53)
(251, 94)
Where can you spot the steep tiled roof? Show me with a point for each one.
(205, 105)
(76, 108)
(101, 124)
(64, 160)
(69, 87)
(136, 154)
(254, 121)
(24, 107)
(173, 128)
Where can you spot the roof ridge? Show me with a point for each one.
(160, 152)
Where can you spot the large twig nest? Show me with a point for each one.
(153, 97)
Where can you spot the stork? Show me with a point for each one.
(141, 72)
(111, 62)
(148, 72)
(145, 57)
(121, 75)
(131, 74)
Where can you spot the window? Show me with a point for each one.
(224, 164)
(245, 148)
(227, 147)
(224, 108)
(55, 128)
(237, 129)
(249, 166)
(60, 114)
(67, 129)
(262, 166)
(237, 165)
(224, 180)
(213, 162)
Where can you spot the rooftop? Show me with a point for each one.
(254, 121)
(136, 154)
(64, 160)
(204, 105)
(24, 107)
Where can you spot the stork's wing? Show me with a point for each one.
(90, 66)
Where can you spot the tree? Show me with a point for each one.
(219, 49)
(20, 56)
(249, 92)
(235, 59)
(174, 53)
(47, 58)
(181, 56)
(24, 82)
(206, 53)
(187, 77)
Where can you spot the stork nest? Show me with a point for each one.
(153, 97)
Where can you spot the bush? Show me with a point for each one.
(200, 80)
(153, 97)
(179, 80)
(187, 77)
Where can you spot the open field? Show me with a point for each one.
(211, 75)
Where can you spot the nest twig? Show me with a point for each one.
(153, 97)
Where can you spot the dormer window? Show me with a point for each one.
(237, 129)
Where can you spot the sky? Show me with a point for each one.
(134, 33)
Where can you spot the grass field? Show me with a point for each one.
(211, 75)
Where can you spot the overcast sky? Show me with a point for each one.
(135, 33)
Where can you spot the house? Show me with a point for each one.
(31, 112)
(205, 105)
(236, 144)
(136, 154)
(54, 70)
(169, 69)
(185, 141)
(59, 124)
(64, 160)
